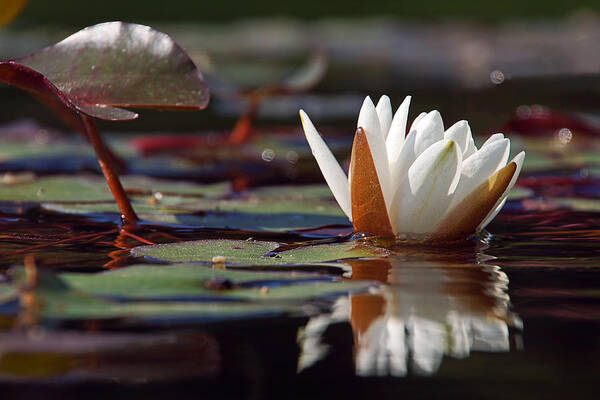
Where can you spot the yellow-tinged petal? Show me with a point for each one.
(518, 159)
(463, 220)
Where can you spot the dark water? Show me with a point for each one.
(515, 314)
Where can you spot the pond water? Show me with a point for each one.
(514, 313)
(511, 314)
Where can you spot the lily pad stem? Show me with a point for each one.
(242, 128)
(128, 216)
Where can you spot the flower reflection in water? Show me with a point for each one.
(426, 310)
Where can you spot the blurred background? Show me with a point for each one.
(470, 59)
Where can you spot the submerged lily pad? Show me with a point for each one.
(248, 252)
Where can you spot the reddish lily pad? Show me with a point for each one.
(107, 66)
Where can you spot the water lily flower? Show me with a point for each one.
(430, 183)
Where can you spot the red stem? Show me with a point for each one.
(128, 216)
(242, 128)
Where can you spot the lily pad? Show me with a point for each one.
(94, 189)
(294, 192)
(520, 193)
(244, 214)
(272, 206)
(191, 282)
(249, 252)
(179, 293)
(79, 74)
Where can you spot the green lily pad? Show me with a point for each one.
(178, 293)
(270, 206)
(295, 192)
(15, 150)
(255, 253)
(57, 188)
(189, 281)
(578, 204)
(94, 189)
(250, 215)
(520, 193)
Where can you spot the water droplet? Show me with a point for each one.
(524, 111)
(564, 136)
(268, 155)
(497, 77)
(292, 157)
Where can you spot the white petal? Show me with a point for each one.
(425, 131)
(368, 118)
(330, 168)
(369, 121)
(425, 194)
(479, 167)
(493, 138)
(471, 148)
(500, 203)
(384, 112)
(416, 121)
(460, 132)
(399, 167)
(397, 133)
(430, 129)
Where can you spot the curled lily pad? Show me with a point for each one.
(102, 68)
(249, 252)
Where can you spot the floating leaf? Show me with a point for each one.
(293, 192)
(519, 193)
(94, 189)
(58, 188)
(251, 214)
(189, 282)
(255, 252)
(269, 206)
(174, 294)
